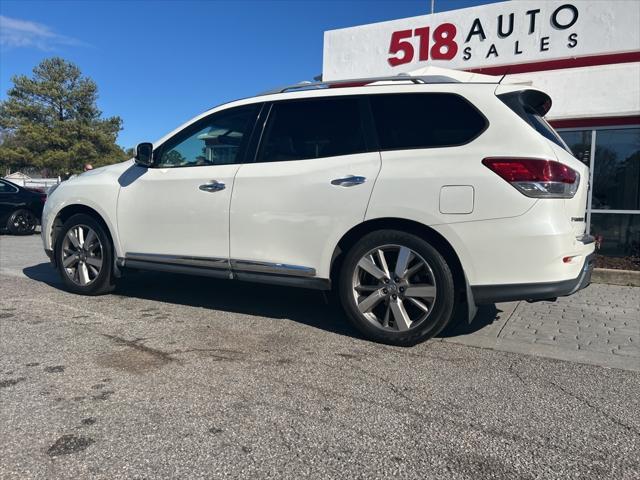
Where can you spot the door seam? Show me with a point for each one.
(373, 187)
(233, 186)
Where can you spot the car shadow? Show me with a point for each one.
(486, 315)
(131, 174)
(45, 273)
(309, 307)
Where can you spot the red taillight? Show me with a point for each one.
(535, 177)
(531, 170)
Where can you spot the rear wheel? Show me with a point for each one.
(396, 288)
(22, 222)
(84, 256)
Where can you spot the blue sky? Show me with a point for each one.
(159, 63)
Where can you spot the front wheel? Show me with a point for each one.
(396, 288)
(84, 256)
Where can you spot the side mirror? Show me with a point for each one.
(144, 154)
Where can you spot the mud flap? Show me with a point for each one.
(472, 308)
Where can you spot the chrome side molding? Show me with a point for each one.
(219, 264)
(275, 268)
(178, 260)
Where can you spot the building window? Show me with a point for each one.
(616, 175)
(579, 142)
(613, 216)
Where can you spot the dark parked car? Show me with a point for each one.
(20, 208)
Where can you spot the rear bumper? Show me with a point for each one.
(487, 294)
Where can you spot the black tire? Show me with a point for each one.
(104, 281)
(441, 311)
(22, 222)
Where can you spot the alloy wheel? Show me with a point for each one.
(394, 288)
(24, 222)
(82, 255)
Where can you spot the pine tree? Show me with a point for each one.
(51, 121)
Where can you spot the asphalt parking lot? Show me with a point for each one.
(174, 376)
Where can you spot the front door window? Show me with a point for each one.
(217, 140)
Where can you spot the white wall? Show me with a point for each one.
(602, 91)
(601, 27)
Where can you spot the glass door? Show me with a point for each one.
(613, 210)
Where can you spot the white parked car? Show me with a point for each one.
(411, 196)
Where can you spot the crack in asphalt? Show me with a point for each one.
(512, 370)
(599, 410)
(392, 386)
(493, 432)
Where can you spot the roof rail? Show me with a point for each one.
(358, 82)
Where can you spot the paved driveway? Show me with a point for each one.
(599, 325)
(191, 377)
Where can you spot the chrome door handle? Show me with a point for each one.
(349, 181)
(214, 186)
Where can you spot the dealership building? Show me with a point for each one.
(584, 53)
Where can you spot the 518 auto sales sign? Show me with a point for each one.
(498, 34)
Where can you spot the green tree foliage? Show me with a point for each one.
(50, 121)
(173, 157)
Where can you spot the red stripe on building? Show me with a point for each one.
(575, 62)
(596, 122)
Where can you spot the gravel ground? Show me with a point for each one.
(189, 377)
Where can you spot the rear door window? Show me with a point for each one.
(313, 128)
(425, 120)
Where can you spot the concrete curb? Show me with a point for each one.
(627, 278)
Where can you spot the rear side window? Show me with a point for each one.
(425, 120)
(532, 106)
(304, 129)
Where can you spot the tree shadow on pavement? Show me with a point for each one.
(310, 307)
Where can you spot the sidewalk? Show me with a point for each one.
(599, 325)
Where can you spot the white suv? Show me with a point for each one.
(411, 196)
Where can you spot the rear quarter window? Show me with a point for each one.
(425, 120)
(532, 106)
